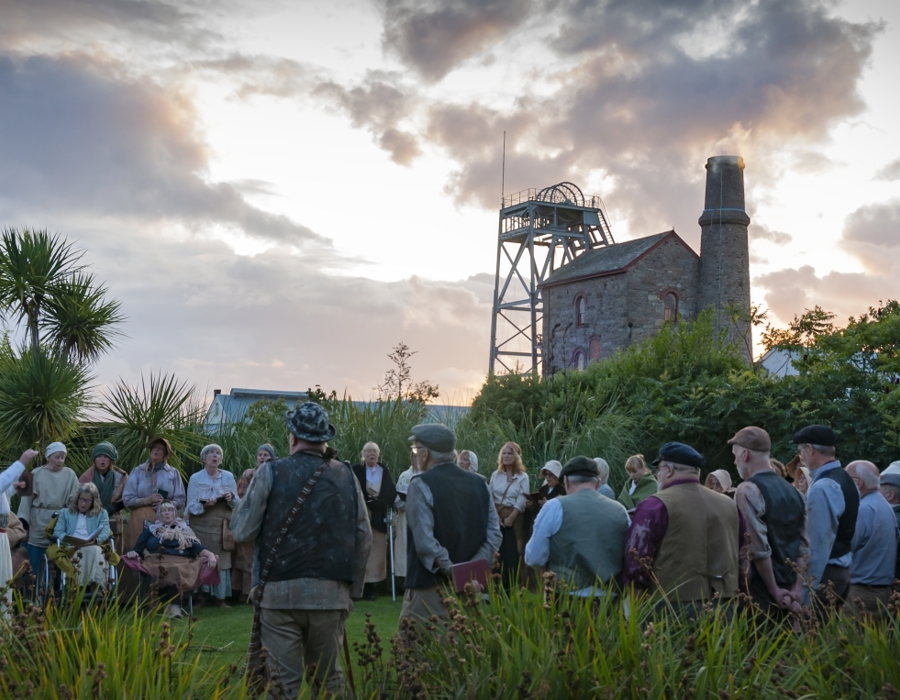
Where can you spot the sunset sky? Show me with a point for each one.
(279, 192)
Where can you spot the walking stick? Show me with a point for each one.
(390, 524)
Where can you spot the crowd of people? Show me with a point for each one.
(302, 536)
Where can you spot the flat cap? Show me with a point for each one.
(679, 453)
(434, 436)
(752, 438)
(815, 435)
(891, 475)
(580, 466)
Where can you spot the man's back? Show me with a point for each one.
(698, 556)
(874, 543)
(320, 544)
(459, 507)
(589, 546)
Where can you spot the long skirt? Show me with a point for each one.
(86, 564)
(129, 583)
(242, 567)
(400, 540)
(6, 575)
(183, 573)
(376, 567)
(209, 528)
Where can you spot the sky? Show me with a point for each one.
(280, 192)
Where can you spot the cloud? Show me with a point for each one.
(871, 236)
(81, 133)
(759, 232)
(890, 172)
(642, 94)
(275, 320)
(434, 37)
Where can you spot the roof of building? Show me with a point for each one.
(608, 260)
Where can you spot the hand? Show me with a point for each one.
(27, 456)
(156, 499)
(132, 555)
(228, 496)
(19, 484)
(210, 502)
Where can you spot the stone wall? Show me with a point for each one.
(620, 308)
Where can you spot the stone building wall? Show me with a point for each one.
(620, 308)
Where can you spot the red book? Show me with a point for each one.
(475, 570)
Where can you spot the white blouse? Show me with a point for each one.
(515, 495)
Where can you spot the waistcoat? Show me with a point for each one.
(784, 516)
(589, 547)
(698, 556)
(847, 521)
(321, 542)
(461, 504)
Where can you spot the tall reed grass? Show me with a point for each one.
(522, 646)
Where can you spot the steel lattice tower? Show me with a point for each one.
(539, 231)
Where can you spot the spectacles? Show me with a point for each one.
(85, 500)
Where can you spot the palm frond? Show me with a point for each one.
(43, 397)
(162, 406)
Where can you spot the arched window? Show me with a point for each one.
(594, 349)
(580, 310)
(579, 361)
(670, 305)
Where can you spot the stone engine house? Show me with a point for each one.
(612, 296)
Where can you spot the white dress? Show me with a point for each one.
(9, 476)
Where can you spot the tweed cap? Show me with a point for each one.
(891, 475)
(580, 466)
(105, 449)
(815, 435)
(679, 453)
(309, 421)
(268, 448)
(752, 438)
(434, 436)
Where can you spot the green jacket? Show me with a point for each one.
(646, 487)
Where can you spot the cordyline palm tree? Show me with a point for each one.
(44, 287)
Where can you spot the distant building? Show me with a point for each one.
(231, 408)
(610, 297)
(778, 363)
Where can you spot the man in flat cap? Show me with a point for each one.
(775, 517)
(565, 537)
(832, 503)
(890, 489)
(320, 563)
(874, 546)
(685, 539)
(450, 518)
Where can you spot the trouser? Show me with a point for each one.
(832, 591)
(35, 557)
(867, 600)
(304, 641)
(419, 604)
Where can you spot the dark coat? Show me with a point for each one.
(378, 507)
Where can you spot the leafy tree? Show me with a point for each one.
(44, 288)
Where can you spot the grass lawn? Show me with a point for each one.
(222, 635)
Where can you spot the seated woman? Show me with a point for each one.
(169, 547)
(86, 523)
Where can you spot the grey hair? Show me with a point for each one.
(96, 506)
(209, 448)
(473, 460)
(868, 474)
(362, 452)
(581, 479)
(441, 457)
(894, 490)
(827, 450)
(603, 466)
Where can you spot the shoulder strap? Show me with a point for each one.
(292, 515)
